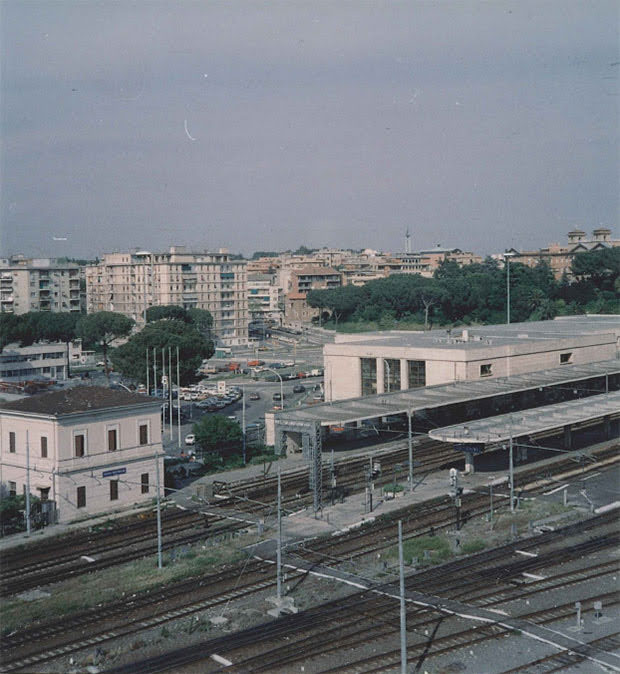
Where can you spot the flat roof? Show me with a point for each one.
(77, 400)
(529, 422)
(481, 336)
(400, 402)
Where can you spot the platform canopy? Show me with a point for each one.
(530, 422)
(402, 402)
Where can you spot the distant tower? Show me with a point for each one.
(407, 242)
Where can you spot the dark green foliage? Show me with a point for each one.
(170, 311)
(216, 433)
(477, 294)
(130, 358)
(102, 328)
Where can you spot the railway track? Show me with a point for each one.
(365, 617)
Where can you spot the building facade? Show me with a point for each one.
(365, 364)
(129, 283)
(88, 450)
(39, 284)
(42, 360)
(263, 298)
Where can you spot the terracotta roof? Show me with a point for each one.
(78, 399)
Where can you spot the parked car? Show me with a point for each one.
(190, 439)
(277, 396)
(255, 396)
(299, 388)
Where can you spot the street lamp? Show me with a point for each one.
(507, 256)
(281, 388)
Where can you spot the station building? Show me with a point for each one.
(84, 451)
(384, 362)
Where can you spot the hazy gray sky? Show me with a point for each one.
(266, 125)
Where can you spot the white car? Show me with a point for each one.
(190, 439)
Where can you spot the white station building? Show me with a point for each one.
(89, 450)
(384, 362)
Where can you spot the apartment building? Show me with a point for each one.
(87, 450)
(41, 360)
(426, 262)
(263, 298)
(301, 281)
(39, 284)
(559, 257)
(129, 283)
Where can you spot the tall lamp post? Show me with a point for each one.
(281, 388)
(507, 257)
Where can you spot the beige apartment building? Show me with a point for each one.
(87, 450)
(559, 257)
(129, 283)
(379, 362)
(39, 284)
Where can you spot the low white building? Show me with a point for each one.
(379, 362)
(90, 450)
(42, 360)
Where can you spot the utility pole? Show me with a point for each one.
(154, 370)
(243, 422)
(410, 447)
(511, 476)
(178, 402)
(279, 550)
(403, 613)
(160, 564)
(27, 484)
(148, 388)
(170, 390)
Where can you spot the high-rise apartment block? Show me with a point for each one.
(129, 283)
(39, 284)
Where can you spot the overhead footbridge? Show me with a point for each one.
(421, 409)
(482, 435)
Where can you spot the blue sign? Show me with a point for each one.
(116, 471)
(473, 447)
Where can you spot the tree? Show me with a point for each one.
(600, 267)
(172, 311)
(12, 329)
(130, 358)
(202, 320)
(218, 436)
(102, 329)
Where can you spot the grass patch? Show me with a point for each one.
(438, 548)
(84, 592)
(475, 545)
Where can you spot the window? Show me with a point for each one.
(12, 488)
(369, 376)
(81, 497)
(112, 440)
(391, 375)
(485, 370)
(12, 442)
(144, 434)
(566, 358)
(79, 443)
(44, 447)
(144, 479)
(113, 490)
(417, 373)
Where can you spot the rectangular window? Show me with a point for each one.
(486, 370)
(566, 358)
(79, 444)
(112, 446)
(391, 375)
(12, 442)
(113, 490)
(81, 497)
(144, 434)
(417, 373)
(12, 488)
(43, 447)
(369, 376)
(144, 480)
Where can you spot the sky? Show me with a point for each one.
(254, 125)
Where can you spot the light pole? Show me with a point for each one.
(281, 388)
(507, 257)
